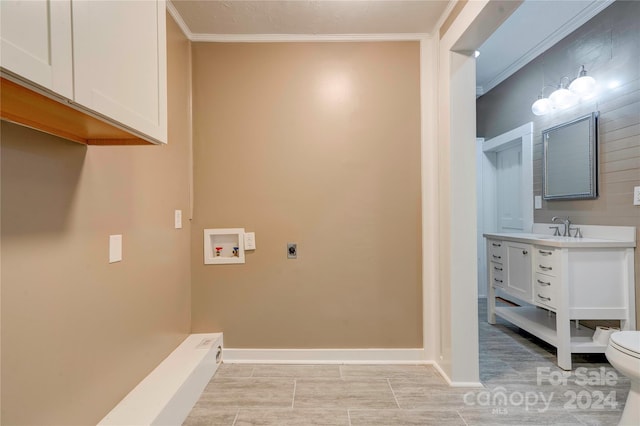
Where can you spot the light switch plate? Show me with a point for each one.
(177, 218)
(115, 248)
(636, 196)
(249, 240)
(537, 201)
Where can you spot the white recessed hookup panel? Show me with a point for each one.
(225, 245)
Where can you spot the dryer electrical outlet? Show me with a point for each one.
(292, 251)
(636, 196)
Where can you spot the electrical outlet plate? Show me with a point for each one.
(636, 196)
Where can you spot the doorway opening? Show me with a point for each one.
(504, 173)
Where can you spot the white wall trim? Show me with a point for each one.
(452, 383)
(288, 38)
(429, 186)
(494, 143)
(491, 146)
(481, 199)
(178, 18)
(324, 356)
(576, 22)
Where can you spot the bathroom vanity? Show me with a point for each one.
(558, 281)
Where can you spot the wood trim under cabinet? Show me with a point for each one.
(26, 107)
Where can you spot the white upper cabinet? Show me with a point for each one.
(36, 43)
(120, 66)
(106, 58)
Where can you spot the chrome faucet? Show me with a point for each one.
(566, 222)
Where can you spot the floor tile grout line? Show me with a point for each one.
(349, 416)
(293, 400)
(463, 420)
(579, 420)
(393, 393)
(235, 419)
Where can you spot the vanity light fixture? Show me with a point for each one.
(583, 86)
(543, 105)
(563, 98)
(567, 94)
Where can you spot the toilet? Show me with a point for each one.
(623, 352)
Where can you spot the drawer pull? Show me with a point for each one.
(497, 269)
(544, 283)
(497, 280)
(545, 252)
(496, 245)
(496, 257)
(524, 252)
(545, 268)
(546, 299)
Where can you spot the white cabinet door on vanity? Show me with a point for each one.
(120, 62)
(36, 42)
(519, 281)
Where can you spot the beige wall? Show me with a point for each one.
(78, 333)
(317, 144)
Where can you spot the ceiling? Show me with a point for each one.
(535, 26)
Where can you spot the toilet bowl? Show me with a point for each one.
(623, 352)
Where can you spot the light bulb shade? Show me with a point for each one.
(563, 98)
(542, 106)
(584, 86)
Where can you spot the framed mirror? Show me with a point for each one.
(570, 160)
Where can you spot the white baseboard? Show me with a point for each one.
(338, 356)
(169, 392)
(324, 356)
(452, 383)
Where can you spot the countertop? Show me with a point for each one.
(551, 241)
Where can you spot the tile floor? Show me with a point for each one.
(242, 394)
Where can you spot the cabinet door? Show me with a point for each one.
(519, 280)
(120, 62)
(36, 42)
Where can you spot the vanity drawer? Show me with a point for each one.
(497, 274)
(496, 251)
(547, 260)
(545, 290)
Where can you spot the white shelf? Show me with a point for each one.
(543, 325)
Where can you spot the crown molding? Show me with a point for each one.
(576, 22)
(283, 38)
(178, 18)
